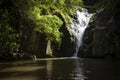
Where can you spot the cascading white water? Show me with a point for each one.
(78, 27)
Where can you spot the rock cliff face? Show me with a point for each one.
(67, 44)
(102, 38)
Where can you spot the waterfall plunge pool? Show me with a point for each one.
(61, 69)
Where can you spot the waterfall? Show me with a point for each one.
(78, 26)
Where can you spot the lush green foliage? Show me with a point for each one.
(49, 25)
(8, 35)
(20, 18)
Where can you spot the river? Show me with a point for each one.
(61, 69)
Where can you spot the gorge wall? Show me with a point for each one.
(102, 38)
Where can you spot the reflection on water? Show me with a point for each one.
(61, 69)
(49, 69)
(66, 69)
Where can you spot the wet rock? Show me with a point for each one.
(102, 38)
(67, 44)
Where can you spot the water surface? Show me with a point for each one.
(61, 69)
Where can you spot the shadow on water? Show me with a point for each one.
(61, 69)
